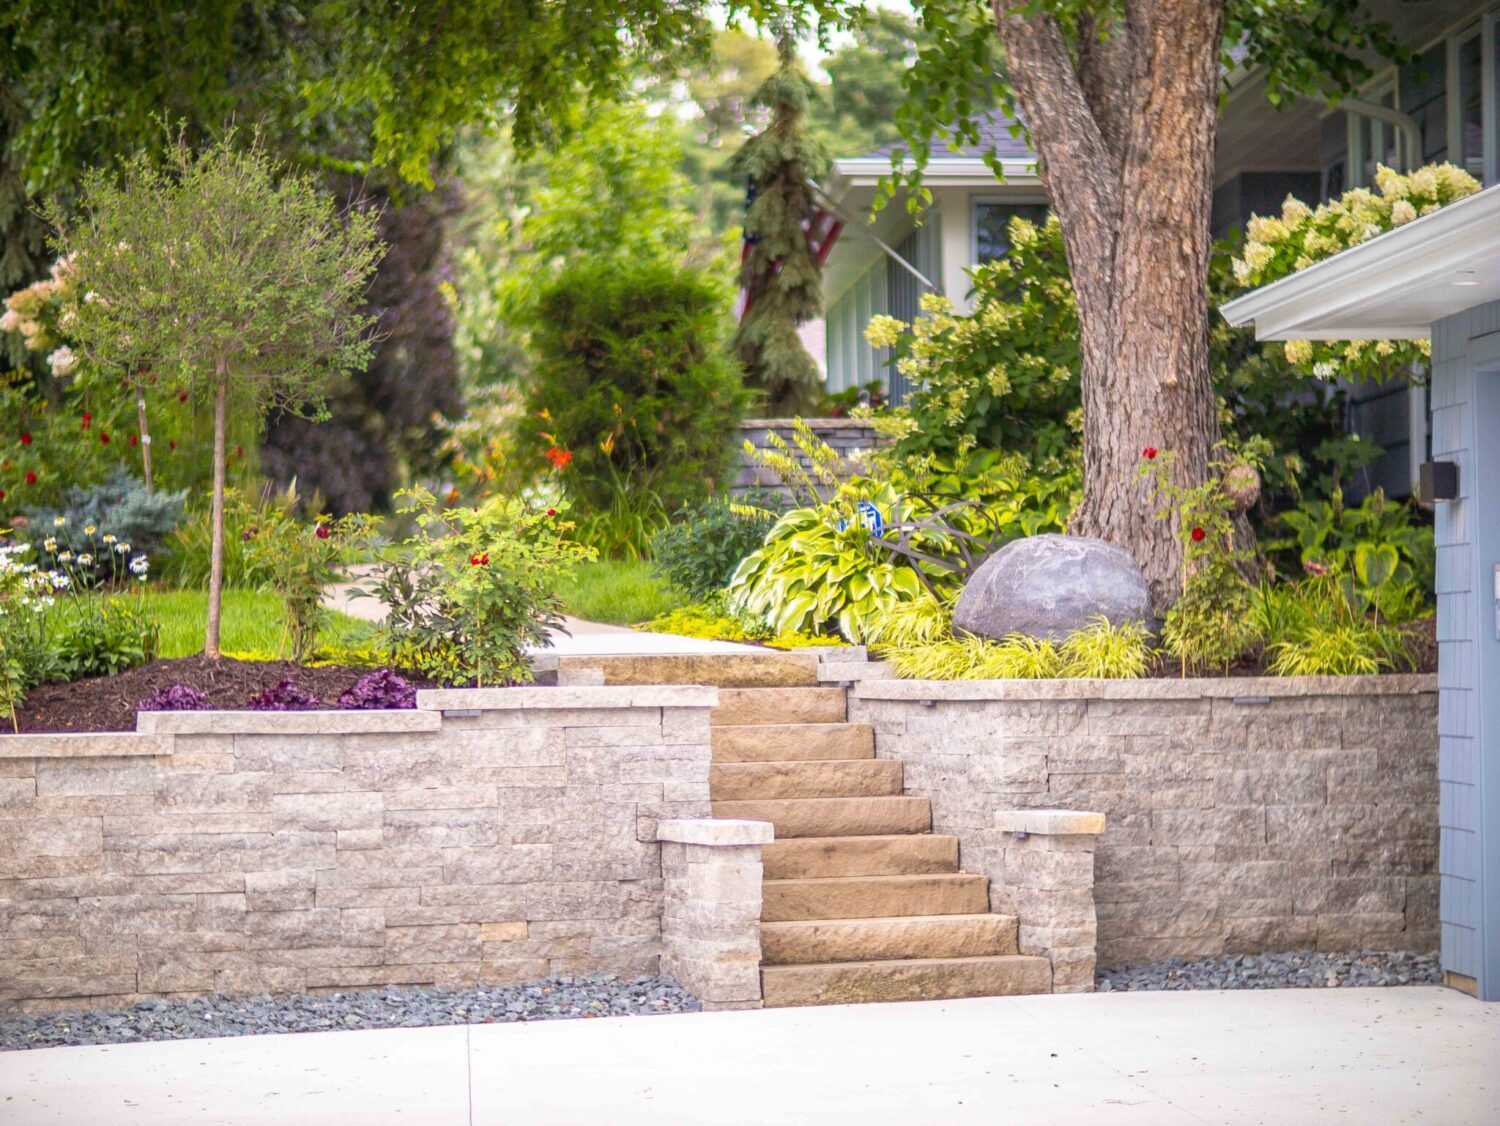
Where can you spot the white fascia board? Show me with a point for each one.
(1312, 303)
(865, 171)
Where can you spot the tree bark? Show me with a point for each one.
(216, 516)
(1125, 136)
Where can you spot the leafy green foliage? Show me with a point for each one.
(781, 276)
(474, 587)
(25, 594)
(1207, 627)
(100, 635)
(301, 560)
(1004, 377)
(633, 392)
(699, 552)
(1104, 651)
(1311, 628)
(821, 568)
(1332, 533)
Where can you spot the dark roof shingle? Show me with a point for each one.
(994, 133)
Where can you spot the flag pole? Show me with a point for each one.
(864, 228)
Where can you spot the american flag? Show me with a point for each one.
(822, 229)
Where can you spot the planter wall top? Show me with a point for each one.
(1190, 688)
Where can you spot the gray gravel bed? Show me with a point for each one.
(1304, 970)
(555, 998)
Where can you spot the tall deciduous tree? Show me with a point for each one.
(229, 277)
(781, 276)
(1120, 99)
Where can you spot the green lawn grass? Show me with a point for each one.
(617, 592)
(251, 622)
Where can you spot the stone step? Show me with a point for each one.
(740, 706)
(833, 817)
(901, 854)
(786, 742)
(917, 979)
(874, 897)
(878, 940)
(767, 669)
(856, 778)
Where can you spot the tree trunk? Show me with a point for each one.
(145, 431)
(1125, 132)
(216, 517)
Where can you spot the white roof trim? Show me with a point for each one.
(938, 170)
(1371, 291)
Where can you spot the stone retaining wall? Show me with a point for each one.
(1243, 815)
(491, 834)
(846, 435)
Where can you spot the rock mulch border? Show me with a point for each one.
(555, 998)
(1275, 971)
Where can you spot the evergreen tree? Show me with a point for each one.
(780, 276)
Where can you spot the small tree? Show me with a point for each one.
(227, 275)
(781, 276)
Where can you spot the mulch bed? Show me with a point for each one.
(109, 703)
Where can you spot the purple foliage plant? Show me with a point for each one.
(175, 698)
(382, 689)
(284, 696)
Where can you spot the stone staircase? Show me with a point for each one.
(861, 900)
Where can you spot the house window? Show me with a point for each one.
(991, 220)
(1466, 85)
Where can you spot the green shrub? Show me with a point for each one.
(699, 551)
(1331, 533)
(821, 569)
(474, 587)
(301, 559)
(100, 635)
(633, 392)
(121, 504)
(1312, 628)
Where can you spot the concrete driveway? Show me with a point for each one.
(1367, 1057)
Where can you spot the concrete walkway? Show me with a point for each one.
(1368, 1057)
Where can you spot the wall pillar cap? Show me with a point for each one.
(716, 831)
(1049, 822)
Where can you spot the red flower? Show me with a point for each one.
(239, 451)
(25, 437)
(480, 560)
(30, 478)
(103, 438)
(551, 512)
(559, 457)
(135, 439)
(1149, 453)
(322, 532)
(88, 421)
(2, 494)
(171, 443)
(1198, 534)
(182, 396)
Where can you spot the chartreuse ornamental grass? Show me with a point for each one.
(621, 592)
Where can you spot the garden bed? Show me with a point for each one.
(110, 703)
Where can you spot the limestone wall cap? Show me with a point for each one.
(1049, 822)
(1249, 690)
(91, 744)
(319, 722)
(580, 697)
(716, 831)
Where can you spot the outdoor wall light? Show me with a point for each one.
(1437, 480)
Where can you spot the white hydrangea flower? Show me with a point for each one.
(1402, 212)
(1325, 369)
(10, 321)
(63, 361)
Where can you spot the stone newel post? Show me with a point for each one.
(1046, 880)
(711, 916)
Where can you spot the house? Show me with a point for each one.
(1440, 106)
(1438, 278)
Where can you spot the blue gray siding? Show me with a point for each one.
(1466, 430)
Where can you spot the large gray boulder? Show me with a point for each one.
(1050, 585)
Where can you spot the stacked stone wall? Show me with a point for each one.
(1242, 816)
(493, 834)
